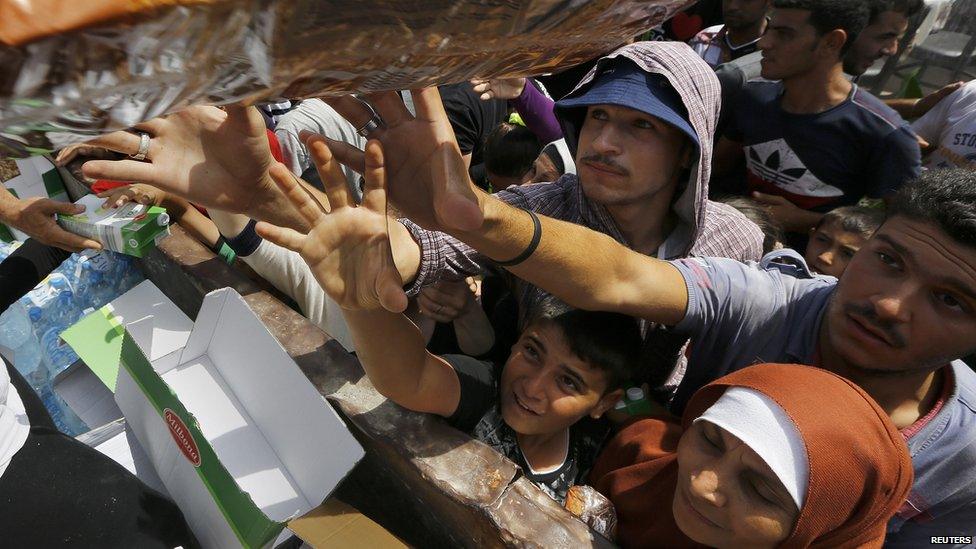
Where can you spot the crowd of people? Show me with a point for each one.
(783, 262)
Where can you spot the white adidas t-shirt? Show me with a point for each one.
(950, 127)
(14, 425)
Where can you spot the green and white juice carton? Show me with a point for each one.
(131, 229)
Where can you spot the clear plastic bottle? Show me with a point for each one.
(64, 417)
(45, 293)
(62, 315)
(15, 326)
(96, 279)
(27, 361)
(39, 321)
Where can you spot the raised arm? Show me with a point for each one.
(532, 105)
(584, 268)
(390, 348)
(429, 184)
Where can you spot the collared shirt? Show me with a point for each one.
(704, 228)
(714, 46)
(739, 315)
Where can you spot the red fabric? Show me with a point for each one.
(638, 471)
(805, 202)
(275, 146)
(948, 382)
(860, 470)
(103, 185)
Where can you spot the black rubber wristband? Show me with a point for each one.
(533, 244)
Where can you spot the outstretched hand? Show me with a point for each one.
(347, 249)
(213, 157)
(787, 215)
(499, 88)
(416, 151)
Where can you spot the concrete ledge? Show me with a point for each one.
(428, 483)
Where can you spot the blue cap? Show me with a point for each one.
(624, 84)
(35, 314)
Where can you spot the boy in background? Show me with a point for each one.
(838, 236)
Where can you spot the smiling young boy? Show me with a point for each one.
(566, 370)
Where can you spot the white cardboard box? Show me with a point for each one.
(89, 391)
(237, 434)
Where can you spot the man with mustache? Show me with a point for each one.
(640, 125)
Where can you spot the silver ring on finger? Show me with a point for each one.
(439, 309)
(374, 123)
(143, 147)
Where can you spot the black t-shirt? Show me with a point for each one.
(826, 160)
(472, 120)
(479, 414)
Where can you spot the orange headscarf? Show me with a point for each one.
(860, 470)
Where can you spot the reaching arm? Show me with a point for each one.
(212, 157)
(475, 335)
(349, 254)
(535, 108)
(399, 366)
(430, 185)
(584, 268)
(455, 302)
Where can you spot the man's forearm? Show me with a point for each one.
(801, 221)
(905, 107)
(584, 268)
(475, 335)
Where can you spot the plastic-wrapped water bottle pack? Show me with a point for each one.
(32, 326)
